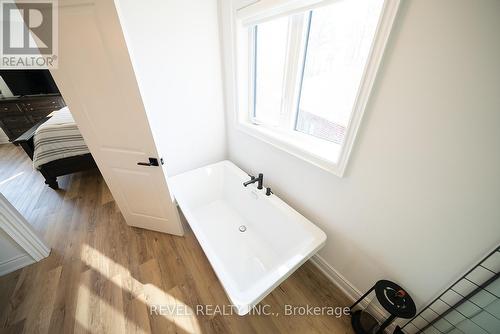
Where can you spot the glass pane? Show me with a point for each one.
(271, 42)
(340, 37)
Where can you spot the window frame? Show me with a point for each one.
(298, 30)
(314, 150)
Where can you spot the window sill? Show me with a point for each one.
(318, 152)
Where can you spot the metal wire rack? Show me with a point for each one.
(469, 306)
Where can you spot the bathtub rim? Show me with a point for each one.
(244, 302)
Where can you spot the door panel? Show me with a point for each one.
(97, 81)
(131, 183)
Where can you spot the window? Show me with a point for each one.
(309, 76)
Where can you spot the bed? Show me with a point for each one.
(56, 147)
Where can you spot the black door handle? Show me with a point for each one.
(152, 162)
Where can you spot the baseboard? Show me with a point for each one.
(15, 263)
(347, 287)
(336, 278)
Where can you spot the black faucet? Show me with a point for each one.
(254, 179)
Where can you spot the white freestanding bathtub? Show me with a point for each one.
(253, 241)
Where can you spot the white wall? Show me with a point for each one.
(419, 203)
(19, 244)
(4, 89)
(175, 52)
(3, 137)
(13, 255)
(5, 92)
(10, 251)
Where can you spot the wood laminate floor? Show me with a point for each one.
(103, 276)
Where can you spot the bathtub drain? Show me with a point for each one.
(242, 228)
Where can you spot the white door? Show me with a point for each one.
(96, 78)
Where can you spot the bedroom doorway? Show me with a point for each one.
(34, 114)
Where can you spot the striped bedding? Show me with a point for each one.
(58, 138)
